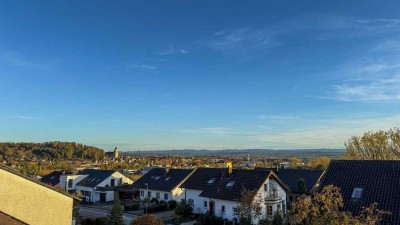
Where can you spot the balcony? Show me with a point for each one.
(272, 196)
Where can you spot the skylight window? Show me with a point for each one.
(157, 177)
(230, 184)
(357, 192)
(167, 178)
(211, 181)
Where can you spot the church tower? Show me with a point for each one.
(116, 153)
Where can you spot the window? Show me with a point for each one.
(211, 181)
(149, 194)
(141, 193)
(112, 182)
(120, 181)
(191, 202)
(279, 207)
(205, 204)
(357, 193)
(70, 183)
(272, 186)
(269, 210)
(223, 209)
(265, 187)
(230, 184)
(158, 195)
(165, 196)
(235, 211)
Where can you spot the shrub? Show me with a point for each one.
(162, 202)
(148, 220)
(172, 204)
(183, 209)
(154, 200)
(208, 219)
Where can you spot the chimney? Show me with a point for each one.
(229, 166)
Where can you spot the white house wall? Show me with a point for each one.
(75, 179)
(154, 195)
(116, 176)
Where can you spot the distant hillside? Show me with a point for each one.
(270, 152)
(49, 150)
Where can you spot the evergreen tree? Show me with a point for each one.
(115, 217)
(301, 183)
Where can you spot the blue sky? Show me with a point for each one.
(198, 74)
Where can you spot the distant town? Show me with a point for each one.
(183, 187)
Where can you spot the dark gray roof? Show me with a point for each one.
(161, 180)
(379, 180)
(95, 177)
(52, 178)
(291, 177)
(243, 179)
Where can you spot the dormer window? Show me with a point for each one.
(211, 181)
(357, 192)
(230, 184)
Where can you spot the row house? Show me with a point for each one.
(218, 191)
(162, 184)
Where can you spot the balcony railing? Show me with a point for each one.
(273, 195)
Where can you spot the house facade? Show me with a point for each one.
(162, 184)
(94, 185)
(291, 177)
(218, 192)
(27, 201)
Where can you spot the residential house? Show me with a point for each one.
(94, 185)
(291, 178)
(24, 200)
(162, 184)
(218, 191)
(363, 182)
(53, 178)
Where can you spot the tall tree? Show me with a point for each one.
(382, 145)
(115, 217)
(301, 183)
(250, 206)
(326, 208)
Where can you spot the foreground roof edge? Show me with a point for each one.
(16, 172)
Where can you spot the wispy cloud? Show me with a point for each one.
(172, 50)
(241, 39)
(25, 117)
(277, 117)
(143, 67)
(16, 60)
(371, 81)
(330, 27)
(218, 131)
